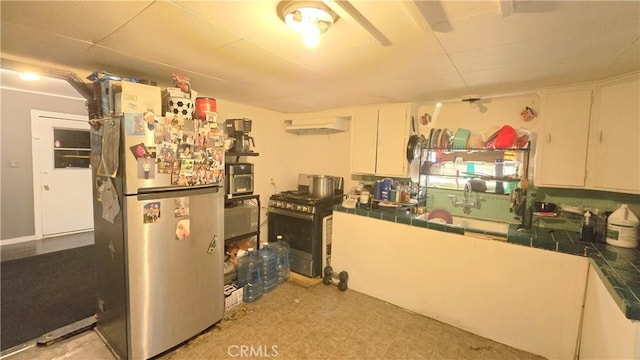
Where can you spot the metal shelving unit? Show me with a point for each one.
(234, 200)
(477, 155)
(237, 155)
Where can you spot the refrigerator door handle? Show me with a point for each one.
(172, 191)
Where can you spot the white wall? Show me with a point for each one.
(527, 298)
(606, 332)
(324, 154)
(487, 116)
(16, 208)
(284, 155)
(483, 115)
(267, 140)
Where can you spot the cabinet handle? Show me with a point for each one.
(601, 136)
(549, 138)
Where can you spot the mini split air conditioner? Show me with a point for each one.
(329, 125)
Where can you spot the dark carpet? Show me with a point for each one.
(45, 292)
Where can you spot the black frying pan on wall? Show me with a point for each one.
(414, 147)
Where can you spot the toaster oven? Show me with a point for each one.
(239, 179)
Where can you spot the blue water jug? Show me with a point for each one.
(269, 268)
(249, 275)
(282, 248)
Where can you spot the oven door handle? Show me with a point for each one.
(291, 213)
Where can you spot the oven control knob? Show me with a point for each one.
(288, 206)
(298, 208)
(305, 209)
(279, 204)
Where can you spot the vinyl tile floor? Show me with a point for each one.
(308, 322)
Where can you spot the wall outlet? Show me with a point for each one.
(273, 183)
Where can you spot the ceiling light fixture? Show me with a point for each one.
(29, 76)
(309, 18)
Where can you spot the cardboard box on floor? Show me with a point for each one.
(232, 296)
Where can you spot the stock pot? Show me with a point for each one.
(322, 186)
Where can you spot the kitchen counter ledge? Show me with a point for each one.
(618, 268)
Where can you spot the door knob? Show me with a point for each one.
(46, 187)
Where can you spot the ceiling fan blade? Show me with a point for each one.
(363, 21)
(506, 7)
(434, 15)
(416, 14)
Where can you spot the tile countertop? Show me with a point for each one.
(619, 268)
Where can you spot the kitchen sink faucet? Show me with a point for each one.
(466, 203)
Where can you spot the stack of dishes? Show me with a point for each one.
(444, 139)
(461, 138)
(475, 141)
(440, 139)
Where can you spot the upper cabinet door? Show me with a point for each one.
(616, 143)
(393, 131)
(364, 139)
(562, 145)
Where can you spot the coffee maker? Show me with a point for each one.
(239, 129)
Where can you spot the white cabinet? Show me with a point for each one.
(616, 139)
(364, 139)
(561, 157)
(379, 139)
(606, 332)
(589, 137)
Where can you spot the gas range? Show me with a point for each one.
(305, 222)
(302, 202)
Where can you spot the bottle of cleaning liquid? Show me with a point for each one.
(622, 228)
(599, 221)
(587, 228)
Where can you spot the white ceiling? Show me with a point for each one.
(241, 51)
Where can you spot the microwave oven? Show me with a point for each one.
(239, 179)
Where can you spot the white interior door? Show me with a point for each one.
(62, 176)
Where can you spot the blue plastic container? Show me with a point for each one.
(250, 276)
(281, 249)
(385, 192)
(269, 268)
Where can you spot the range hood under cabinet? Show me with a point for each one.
(328, 125)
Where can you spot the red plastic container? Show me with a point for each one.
(204, 104)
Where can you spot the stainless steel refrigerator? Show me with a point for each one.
(158, 214)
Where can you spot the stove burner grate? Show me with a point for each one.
(296, 196)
